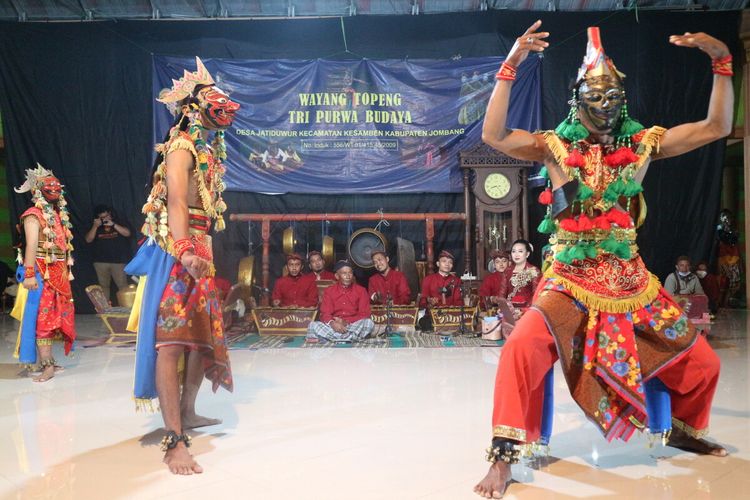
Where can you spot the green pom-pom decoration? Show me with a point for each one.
(572, 130)
(547, 226)
(584, 192)
(610, 194)
(590, 250)
(632, 188)
(543, 173)
(577, 252)
(564, 256)
(620, 249)
(628, 128)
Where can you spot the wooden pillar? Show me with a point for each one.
(265, 262)
(429, 234)
(467, 224)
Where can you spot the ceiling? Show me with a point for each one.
(89, 10)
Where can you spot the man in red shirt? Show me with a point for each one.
(442, 288)
(387, 283)
(344, 310)
(293, 290)
(489, 292)
(317, 267)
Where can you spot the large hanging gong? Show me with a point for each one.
(362, 244)
(327, 251)
(288, 240)
(406, 264)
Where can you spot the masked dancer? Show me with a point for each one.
(629, 354)
(44, 304)
(179, 315)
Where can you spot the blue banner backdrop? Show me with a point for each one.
(332, 127)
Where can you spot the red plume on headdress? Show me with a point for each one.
(595, 62)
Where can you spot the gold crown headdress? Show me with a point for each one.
(34, 178)
(185, 86)
(595, 62)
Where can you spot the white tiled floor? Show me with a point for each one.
(340, 424)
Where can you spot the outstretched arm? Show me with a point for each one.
(516, 143)
(718, 122)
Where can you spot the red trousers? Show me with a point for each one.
(530, 352)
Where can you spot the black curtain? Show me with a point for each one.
(76, 97)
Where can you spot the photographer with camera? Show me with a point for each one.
(111, 248)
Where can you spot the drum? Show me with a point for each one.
(448, 319)
(284, 320)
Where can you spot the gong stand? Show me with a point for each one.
(266, 219)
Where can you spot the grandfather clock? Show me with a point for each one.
(497, 185)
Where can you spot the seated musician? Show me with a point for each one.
(344, 310)
(490, 289)
(442, 288)
(293, 290)
(387, 284)
(317, 267)
(520, 279)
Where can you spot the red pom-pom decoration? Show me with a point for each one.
(575, 159)
(545, 197)
(620, 218)
(601, 222)
(623, 156)
(584, 223)
(569, 225)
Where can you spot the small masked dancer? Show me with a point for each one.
(44, 304)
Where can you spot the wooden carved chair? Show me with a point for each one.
(114, 318)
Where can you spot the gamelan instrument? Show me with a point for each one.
(403, 318)
(448, 319)
(284, 320)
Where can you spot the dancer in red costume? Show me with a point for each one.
(598, 309)
(47, 256)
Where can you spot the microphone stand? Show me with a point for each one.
(388, 316)
(461, 326)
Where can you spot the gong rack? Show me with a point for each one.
(429, 231)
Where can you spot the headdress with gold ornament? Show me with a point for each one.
(597, 65)
(185, 86)
(34, 183)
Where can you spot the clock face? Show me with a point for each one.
(496, 185)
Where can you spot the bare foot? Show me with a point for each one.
(193, 421)
(495, 482)
(679, 439)
(47, 374)
(181, 462)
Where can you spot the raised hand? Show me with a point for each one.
(531, 40)
(708, 44)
